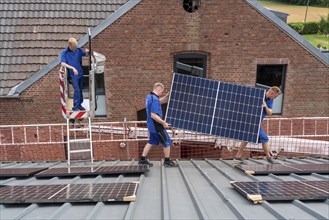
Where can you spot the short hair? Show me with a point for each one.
(72, 40)
(275, 89)
(156, 85)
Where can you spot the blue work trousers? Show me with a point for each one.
(78, 96)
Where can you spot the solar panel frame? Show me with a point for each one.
(205, 106)
(93, 171)
(262, 169)
(20, 172)
(101, 192)
(282, 190)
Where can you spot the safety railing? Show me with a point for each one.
(304, 136)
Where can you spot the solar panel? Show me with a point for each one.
(19, 172)
(215, 108)
(284, 168)
(312, 168)
(102, 192)
(287, 190)
(92, 171)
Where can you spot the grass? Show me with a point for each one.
(316, 39)
(296, 12)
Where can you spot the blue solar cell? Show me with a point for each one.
(215, 108)
(192, 103)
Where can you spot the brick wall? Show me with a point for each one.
(140, 47)
(38, 104)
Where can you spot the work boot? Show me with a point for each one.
(169, 163)
(145, 162)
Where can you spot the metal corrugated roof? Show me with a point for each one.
(197, 189)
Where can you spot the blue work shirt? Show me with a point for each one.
(153, 105)
(269, 103)
(73, 58)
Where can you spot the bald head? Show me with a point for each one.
(158, 88)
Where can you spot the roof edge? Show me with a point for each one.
(288, 30)
(15, 91)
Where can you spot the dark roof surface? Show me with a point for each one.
(33, 32)
(198, 189)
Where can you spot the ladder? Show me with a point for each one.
(74, 140)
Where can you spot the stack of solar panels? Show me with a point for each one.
(260, 169)
(104, 192)
(60, 193)
(283, 190)
(19, 172)
(93, 171)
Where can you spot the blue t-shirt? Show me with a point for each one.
(269, 103)
(73, 58)
(153, 105)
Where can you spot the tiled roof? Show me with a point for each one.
(198, 189)
(26, 46)
(33, 32)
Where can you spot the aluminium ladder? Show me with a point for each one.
(73, 140)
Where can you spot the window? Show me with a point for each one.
(272, 75)
(193, 64)
(100, 95)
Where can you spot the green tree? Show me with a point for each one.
(321, 3)
(324, 25)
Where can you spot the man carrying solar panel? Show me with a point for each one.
(157, 126)
(270, 95)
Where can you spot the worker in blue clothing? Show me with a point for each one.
(270, 95)
(71, 58)
(157, 126)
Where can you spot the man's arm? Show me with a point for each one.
(92, 54)
(267, 109)
(69, 67)
(156, 118)
(164, 99)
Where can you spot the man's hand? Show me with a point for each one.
(165, 125)
(264, 105)
(75, 71)
(165, 98)
(86, 50)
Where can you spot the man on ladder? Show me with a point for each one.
(71, 58)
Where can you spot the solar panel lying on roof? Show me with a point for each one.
(287, 190)
(284, 168)
(90, 171)
(19, 172)
(215, 108)
(69, 193)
